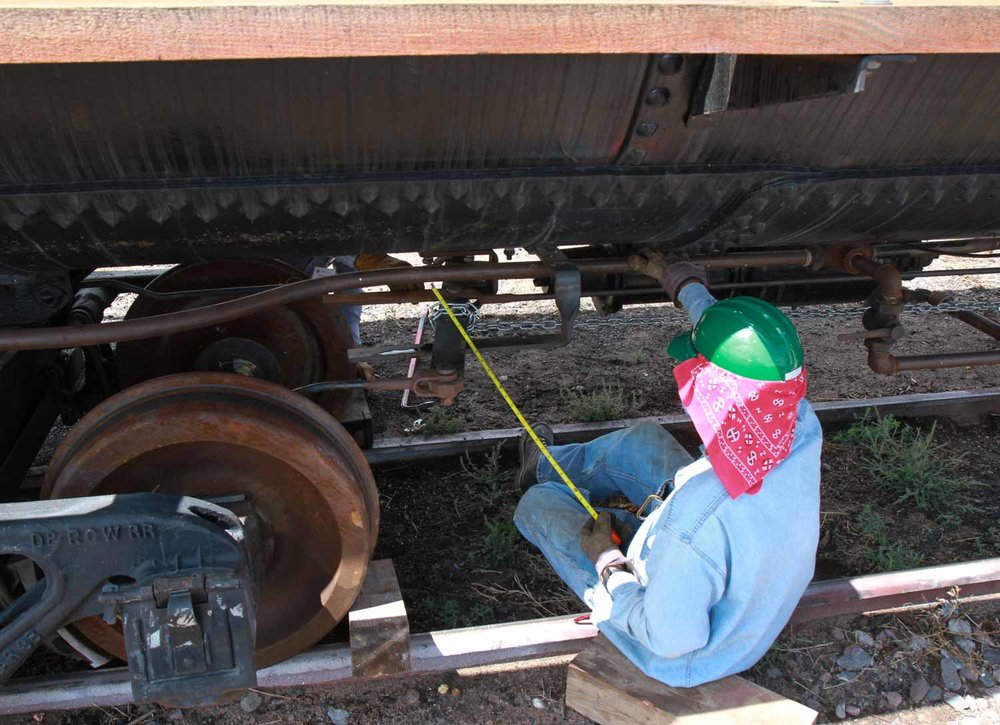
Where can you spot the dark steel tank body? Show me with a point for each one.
(138, 163)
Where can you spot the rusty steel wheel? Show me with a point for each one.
(292, 345)
(284, 463)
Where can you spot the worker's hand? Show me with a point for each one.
(679, 274)
(380, 260)
(672, 277)
(595, 536)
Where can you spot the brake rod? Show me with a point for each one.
(51, 338)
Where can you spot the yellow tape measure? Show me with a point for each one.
(520, 418)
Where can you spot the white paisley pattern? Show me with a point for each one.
(751, 442)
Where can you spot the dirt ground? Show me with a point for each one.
(635, 355)
(460, 562)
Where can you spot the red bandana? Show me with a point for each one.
(747, 425)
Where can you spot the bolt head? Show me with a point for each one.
(49, 295)
(670, 63)
(636, 156)
(646, 128)
(657, 97)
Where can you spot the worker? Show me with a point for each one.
(722, 547)
(348, 264)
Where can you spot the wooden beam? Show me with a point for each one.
(603, 685)
(380, 630)
(78, 31)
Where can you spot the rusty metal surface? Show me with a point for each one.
(901, 588)
(537, 640)
(426, 383)
(308, 341)
(983, 324)
(882, 320)
(217, 434)
(945, 360)
(223, 312)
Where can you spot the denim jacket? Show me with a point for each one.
(715, 579)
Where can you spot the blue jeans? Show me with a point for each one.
(351, 313)
(634, 461)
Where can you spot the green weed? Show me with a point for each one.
(609, 402)
(449, 610)
(478, 613)
(454, 614)
(491, 480)
(441, 421)
(500, 541)
(988, 545)
(909, 464)
(882, 554)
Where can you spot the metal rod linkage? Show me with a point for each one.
(51, 338)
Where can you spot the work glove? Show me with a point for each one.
(380, 260)
(672, 277)
(595, 537)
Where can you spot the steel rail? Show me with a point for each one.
(538, 640)
(964, 405)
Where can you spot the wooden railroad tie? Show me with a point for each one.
(380, 630)
(603, 685)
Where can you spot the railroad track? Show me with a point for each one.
(556, 639)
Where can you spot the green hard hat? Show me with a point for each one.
(746, 336)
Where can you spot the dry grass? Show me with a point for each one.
(553, 602)
(610, 401)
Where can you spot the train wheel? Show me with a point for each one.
(292, 345)
(272, 456)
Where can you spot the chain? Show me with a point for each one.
(461, 309)
(795, 313)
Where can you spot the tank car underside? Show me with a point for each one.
(118, 164)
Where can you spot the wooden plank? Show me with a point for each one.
(380, 630)
(603, 685)
(960, 405)
(68, 31)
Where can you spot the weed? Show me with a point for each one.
(500, 542)
(949, 520)
(491, 480)
(909, 464)
(478, 613)
(609, 402)
(449, 610)
(988, 544)
(441, 421)
(454, 614)
(548, 600)
(881, 554)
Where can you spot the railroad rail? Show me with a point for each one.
(542, 642)
(554, 640)
(961, 405)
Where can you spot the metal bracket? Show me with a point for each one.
(566, 289)
(175, 571)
